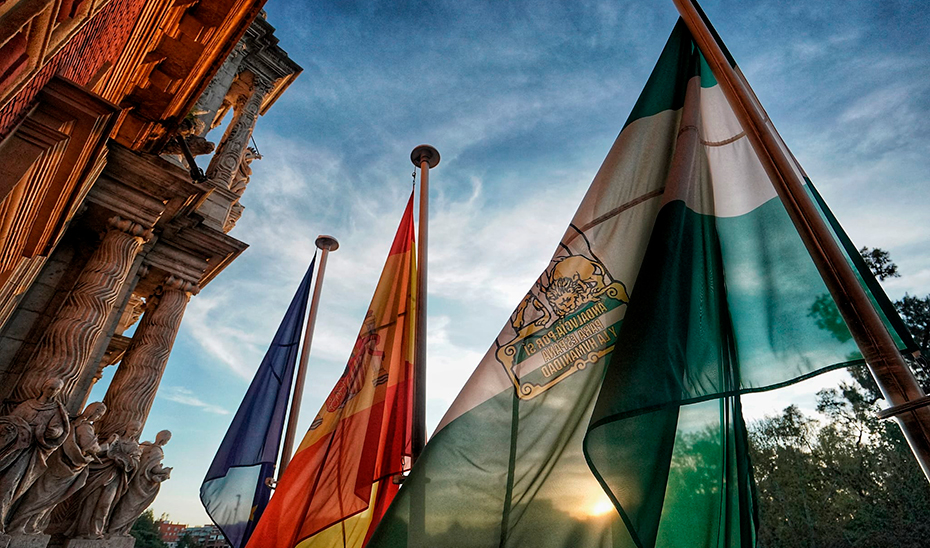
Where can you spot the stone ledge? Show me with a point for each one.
(29, 541)
(112, 542)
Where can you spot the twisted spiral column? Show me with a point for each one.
(64, 349)
(132, 390)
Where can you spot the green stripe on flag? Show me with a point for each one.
(665, 88)
(875, 292)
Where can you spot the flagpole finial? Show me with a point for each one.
(327, 243)
(425, 152)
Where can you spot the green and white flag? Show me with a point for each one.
(607, 412)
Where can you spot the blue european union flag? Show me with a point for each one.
(234, 491)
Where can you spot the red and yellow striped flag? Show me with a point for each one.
(340, 480)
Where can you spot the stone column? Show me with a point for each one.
(132, 391)
(225, 164)
(65, 347)
(212, 98)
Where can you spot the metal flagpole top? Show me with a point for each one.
(425, 151)
(327, 243)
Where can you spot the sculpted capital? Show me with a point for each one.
(180, 284)
(129, 227)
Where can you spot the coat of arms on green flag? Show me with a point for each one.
(607, 413)
(568, 321)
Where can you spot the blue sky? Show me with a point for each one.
(523, 100)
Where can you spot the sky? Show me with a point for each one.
(523, 101)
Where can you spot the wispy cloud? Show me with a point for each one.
(213, 321)
(184, 396)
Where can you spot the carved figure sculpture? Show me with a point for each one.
(67, 472)
(28, 435)
(244, 173)
(143, 488)
(106, 482)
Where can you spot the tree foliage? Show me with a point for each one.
(914, 311)
(847, 483)
(847, 480)
(916, 314)
(146, 531)
(879, 262)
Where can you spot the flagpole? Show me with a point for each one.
(891, 372)
(326, 244)
(424, 157)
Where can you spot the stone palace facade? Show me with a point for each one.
(105, 221)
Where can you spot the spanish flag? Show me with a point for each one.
(340, 481)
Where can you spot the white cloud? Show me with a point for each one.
(214, 320)
(184, 396)
(490, 251)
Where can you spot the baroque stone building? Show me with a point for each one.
(105, 219)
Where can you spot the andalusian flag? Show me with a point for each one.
(341, 479)
(607, 412)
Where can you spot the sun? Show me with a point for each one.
(601, 506)
(587, 502)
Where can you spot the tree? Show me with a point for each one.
(916, 314)
(879, 262)
(146, 532)
(851, 482)
(913, 310)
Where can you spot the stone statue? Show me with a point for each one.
(107, 481)
(28, 435)
(67, 472)
(143, 488)
(190, 129)
(196, 144)
(239, 181)
(244, 172)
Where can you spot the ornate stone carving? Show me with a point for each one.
(86, 513)
(132, 312)
(114, 353)
(235, 213)
(143, 488)
(111, 542)
(66, 473)
(240, 181)
(196, 144)
(208, 104)
(64, 349)
(27, 436)
(244, 173)
(132, 390)
(229, 152)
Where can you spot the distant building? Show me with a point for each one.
(208, 536)
(170, 533)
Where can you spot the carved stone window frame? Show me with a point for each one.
(53, 158)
